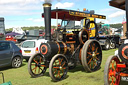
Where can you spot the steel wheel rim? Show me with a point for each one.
(17, 62)
(59, 68)
(37, 65)
(113, 77)
(94, 54)
(112, 45)
(107, 45)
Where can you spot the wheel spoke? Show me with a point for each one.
(62, 72)
(109, 76)
(96, 50)
(35, 69)
(56, 67)
(35, 61)
(111, 73)
(94, 64)
(40, 59)
(89, 53)
(93, 48)
(43, 65)
(55, 71)
(97, 53)
(113, 80)
(113, 66)
(59, 61)
(41, 68)
(59, 74)
(63, 64)
(90, 61)
(64, 67)
(96, 58)
(55, 63)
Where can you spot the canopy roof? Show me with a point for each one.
(72, 15)
(118, 4)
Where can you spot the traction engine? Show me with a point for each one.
(116, 68)
(64, 52)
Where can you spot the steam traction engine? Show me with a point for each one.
(116, 68)
(65, 50)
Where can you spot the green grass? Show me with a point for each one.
(77, 76)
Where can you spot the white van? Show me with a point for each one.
(30, 47)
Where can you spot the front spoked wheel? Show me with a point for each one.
(58, 67)
(111, 72)
(91, 55)
(36, 65)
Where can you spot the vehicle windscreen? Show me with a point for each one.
(68, 24)
(28, 44)
(71, 24)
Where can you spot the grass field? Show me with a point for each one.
(77, 76)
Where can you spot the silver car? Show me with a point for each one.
(10, 54)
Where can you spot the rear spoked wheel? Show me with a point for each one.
(111, 72)
(58, 67)
(36, 65)
(91, 55)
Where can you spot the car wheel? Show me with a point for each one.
(16, 62)
(107, 45)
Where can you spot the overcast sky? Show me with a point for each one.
(19, 13)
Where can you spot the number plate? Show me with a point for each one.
(27, 51)
(124, 78)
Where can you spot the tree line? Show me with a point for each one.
(31, 28)
(53, 27)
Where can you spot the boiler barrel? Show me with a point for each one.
(49, 49)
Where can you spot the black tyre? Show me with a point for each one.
(58, 67)
(16, 62)
(36, 65)
(123, 52)
(91, 55)
(111, 72)
(107, 44)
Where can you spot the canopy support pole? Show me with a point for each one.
(126, 8)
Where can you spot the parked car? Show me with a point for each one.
(10, 54)
(30, 47)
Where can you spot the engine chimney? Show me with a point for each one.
(47, 20)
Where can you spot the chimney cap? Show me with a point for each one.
(47, 4)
